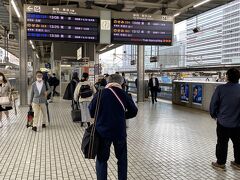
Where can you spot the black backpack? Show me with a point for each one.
(85, 91)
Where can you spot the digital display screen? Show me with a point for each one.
(142, 32)
(197, 94)
(62, 27)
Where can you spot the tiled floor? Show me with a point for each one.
(164, 142)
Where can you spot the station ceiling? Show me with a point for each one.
(164, 7)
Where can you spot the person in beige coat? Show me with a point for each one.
(5, 89)
(84, 94)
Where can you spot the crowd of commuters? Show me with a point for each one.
(116, 105)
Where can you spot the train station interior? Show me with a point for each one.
(188, 46)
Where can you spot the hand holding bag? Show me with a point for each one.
(90, 141)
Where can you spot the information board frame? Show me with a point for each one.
(63, 11)
(144, 18)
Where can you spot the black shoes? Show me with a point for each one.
(44, 126)
(155, 100)
(88, 124)
(34, 129)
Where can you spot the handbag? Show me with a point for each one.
(76, 112)
(91, 139)
(159, 89)
(5, 101)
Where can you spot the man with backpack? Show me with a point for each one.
(83, 94)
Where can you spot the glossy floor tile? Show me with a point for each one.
(164, 142)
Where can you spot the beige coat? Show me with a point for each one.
(77, 90)
(5, 89)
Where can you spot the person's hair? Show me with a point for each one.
(117, 73)
(75, 75)
(233, 75)
(54, 74)
(123, 74)
(85, 75)
(106, 75)
(39, 72)
(115, 78)
(4, 78)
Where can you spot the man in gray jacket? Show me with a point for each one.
(38, 100)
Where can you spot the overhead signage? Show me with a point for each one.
(59, 23)
(142, 29)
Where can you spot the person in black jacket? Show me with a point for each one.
(224, 108)
(69, 92)
(115, 107)
(153, 85)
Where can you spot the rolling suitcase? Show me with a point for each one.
(76, 112)
(30, 116)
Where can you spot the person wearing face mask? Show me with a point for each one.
(38, 100)
(5, 89)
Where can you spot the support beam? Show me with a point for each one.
(23, 89)
(140, 74)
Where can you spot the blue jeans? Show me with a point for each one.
(120, 148)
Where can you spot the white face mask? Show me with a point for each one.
(39, 79)
(1, 78)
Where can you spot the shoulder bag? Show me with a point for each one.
(90, 141)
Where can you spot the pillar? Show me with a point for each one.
(23, 86)
(140, 74)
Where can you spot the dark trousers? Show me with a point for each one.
(154, 94)
(103, 154)
(223, 136)
(54, 91)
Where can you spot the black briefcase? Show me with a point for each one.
(76, 113)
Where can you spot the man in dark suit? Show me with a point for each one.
(153, 85)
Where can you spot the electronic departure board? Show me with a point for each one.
(142, 32)
(62, 27)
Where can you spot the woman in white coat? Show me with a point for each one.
(84, 94)
(5, 89)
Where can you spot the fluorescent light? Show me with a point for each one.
(111, 45)
(37, 56)
(15, 8)
(103, 49)
(175, 15)
(32, 44)
(201, 3)
(33, 47)
(65, 65)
